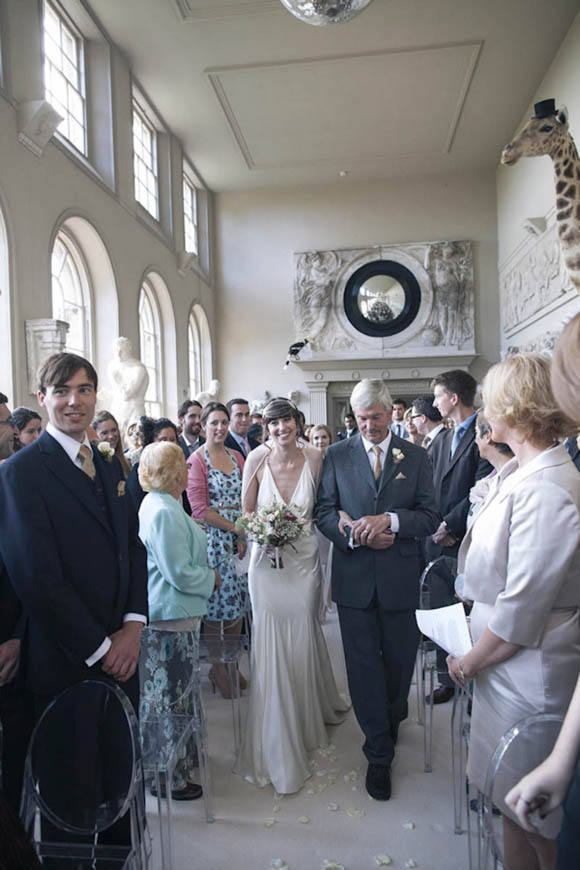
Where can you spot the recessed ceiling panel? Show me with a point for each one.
(351, 108)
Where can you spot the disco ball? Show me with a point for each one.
(323, 12)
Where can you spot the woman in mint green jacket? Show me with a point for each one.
(180, 581)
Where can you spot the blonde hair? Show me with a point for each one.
(566, 369)
(323, 427)
(517, 392)
(160, 466)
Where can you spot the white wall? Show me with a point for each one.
(35, 194)
(256, 233)
(526, 190)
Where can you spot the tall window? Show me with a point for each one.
(190, 215)
(150, 340)
(71, 295)
(64, 78)
(145, 162)
(194, 351)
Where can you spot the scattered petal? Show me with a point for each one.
(355, 813)
(320, 773)
(279, 864)
(310, 791)
(269, 823)
(335, 771)
(321, 787)
(276, 809)
(327, 864)
(383, 860)
(333, 808)
(278, 797)
(331, 780)
(355, 788)
(304, 820)
(408, 826)
(410, 864)
(351, 776)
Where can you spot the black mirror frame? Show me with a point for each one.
(410, 287)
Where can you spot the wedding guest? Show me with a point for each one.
(189, 416)
(214, 490)
(398, 422)
(457, 465)
(28, 425)
(7, 429)
(427, 420)
(151, 430)
(256, 432)
(557, 780)
(414, 435)
(107, 429)
(521, 561)
(321, 439)
(237, 437)
(256, 417)
(180, 580)
(497, 454)
(350, 428)
(133, 442)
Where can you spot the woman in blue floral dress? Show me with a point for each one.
(214, 490)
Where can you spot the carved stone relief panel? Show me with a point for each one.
(445, 319)
(537, 279)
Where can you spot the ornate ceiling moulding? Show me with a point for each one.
(190, 10)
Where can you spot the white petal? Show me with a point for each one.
(269, 823)
(333, 808)
(276, 809)
(304, 820)
(410, 864)
(278, 864)
(310, 791)
(383, 860)
(408, 826)
(327, 864)
(355, 813)
(320, 773)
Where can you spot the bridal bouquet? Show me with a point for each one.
(272, 527)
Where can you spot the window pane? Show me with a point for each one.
(150, 341)
(145, 164)
(63, 80)
(71, 294)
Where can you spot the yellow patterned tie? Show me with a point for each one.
(377, 469)
(86, 457)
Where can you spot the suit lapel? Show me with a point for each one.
(468, 438)
(360, 460)
(112, 498)
(78, 483)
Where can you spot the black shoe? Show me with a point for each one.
(191, 792)
(474, 807)
(441, 695)
(378, 781)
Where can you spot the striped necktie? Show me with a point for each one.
(87, 464)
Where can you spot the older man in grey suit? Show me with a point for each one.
(384, 487)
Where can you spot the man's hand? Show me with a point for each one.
(443, 537)
(344, 520)
(9, 658)
(365, 529)
(382, 541)
(121, 660)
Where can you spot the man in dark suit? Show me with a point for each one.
(237, 437)
(189, 416)
(457, 465)
(349, 427)
(398, 421)
(384, 486)
(68, 539)
(427, 420)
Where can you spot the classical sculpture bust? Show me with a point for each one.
(129, 381)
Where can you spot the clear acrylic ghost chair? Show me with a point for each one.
(172, 719)
(83, 774)
(222, 648)
(435, 584)
(526, 745)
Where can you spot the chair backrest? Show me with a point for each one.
(168, 666)
(82, 767)
(526, 745)
(436, 583)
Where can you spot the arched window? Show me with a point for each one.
(203, 347)
(150, 341)
(7, 385)
(194, 356)
(71, 294)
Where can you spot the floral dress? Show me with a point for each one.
(231, 600)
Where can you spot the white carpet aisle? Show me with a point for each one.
(332, 818)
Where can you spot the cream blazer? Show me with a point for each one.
(522, 552)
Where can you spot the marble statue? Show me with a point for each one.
(129, 380)
(209, 395)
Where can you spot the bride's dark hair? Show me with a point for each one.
(280, 407)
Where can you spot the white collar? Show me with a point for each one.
(384, 445)
(70, 445)
(434, 432)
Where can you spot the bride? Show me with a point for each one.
(293, 695)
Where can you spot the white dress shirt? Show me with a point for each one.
(432, 435)
(72, 449)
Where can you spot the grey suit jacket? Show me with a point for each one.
(406, 488)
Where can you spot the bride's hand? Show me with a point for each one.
(344, 520)
(242, 546)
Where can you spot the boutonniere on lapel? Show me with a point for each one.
(121, 487)
(106, 450)
(398, 455)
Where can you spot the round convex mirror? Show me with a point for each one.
(382, 298)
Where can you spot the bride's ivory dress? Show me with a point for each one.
(293, 695)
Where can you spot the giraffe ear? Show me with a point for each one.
(562, 116)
